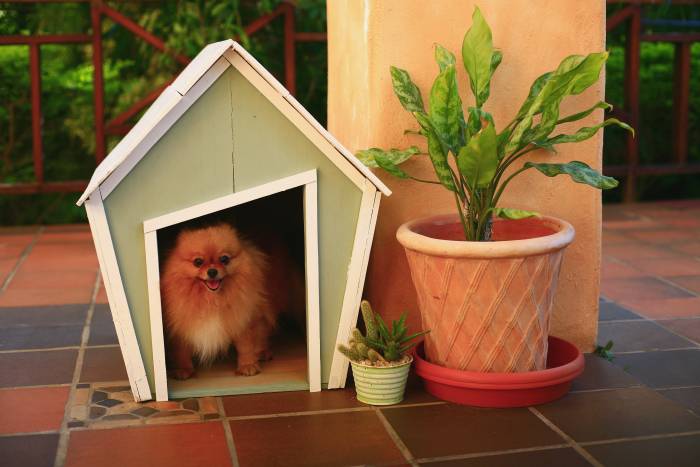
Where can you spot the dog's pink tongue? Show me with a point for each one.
(214, 284)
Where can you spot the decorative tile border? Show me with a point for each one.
(97, 405)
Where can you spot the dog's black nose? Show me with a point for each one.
(212, 273)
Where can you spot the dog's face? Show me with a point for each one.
(208, 256)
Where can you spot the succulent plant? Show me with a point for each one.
(380, 342)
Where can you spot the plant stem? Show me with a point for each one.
(461, 216)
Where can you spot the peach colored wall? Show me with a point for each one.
(365, 37)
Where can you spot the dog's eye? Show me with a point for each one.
(198, 262)
(224, 259)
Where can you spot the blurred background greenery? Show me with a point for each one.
(132, 69)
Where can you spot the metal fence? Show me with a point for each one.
(120, 124)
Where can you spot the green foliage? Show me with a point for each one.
(380, 342)
(605, 351)
(471, 158)
(132, 69)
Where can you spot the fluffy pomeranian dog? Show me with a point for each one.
(216, 291)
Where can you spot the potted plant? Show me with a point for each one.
(485, 276)
(380, 358)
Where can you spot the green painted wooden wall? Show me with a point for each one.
(231, 139)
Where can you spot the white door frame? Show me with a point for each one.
(313, 330)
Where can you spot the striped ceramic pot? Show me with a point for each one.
(487, 304)
(380, 385)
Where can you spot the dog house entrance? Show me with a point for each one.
(281, 213)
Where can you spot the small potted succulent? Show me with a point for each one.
(485, 276)
(380, 358)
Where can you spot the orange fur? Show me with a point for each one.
(203, 322)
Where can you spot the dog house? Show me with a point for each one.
(223, 135)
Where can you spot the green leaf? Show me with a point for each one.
(573, 75)
(477, 52)
(446, 108)
(587, 132)
(535, 90)
(443, 57)
(579, 172)
(578, 116)
(509, 213)
(387, 164)
(496, 59)
(476, 118)
(437, 152)
(408, 93)
(478, 160)
(396, 156)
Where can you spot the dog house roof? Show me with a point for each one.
(165, 103)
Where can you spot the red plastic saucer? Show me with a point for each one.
(564, 363)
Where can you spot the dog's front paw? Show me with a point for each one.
(249, 369)
(182, 373)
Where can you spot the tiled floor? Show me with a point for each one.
(65, 401)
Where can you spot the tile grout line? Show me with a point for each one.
(22, 258)
(577, 447)
(64, 436)
(398, 442)
(473, 455)
(678, 434)
(228, 434)
(54, 349)
(656, 323)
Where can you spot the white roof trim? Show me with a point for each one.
(175, 92)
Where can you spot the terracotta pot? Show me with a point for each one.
(487, 304)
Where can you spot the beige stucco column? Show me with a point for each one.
(365, 37)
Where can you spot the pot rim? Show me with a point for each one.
(385, 367)
(411, 240)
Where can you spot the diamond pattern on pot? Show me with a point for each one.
(487, 315)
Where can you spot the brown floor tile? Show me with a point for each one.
(181, 445)
(286, 402)
(28, 451)
(601, 374)
(664, 308)
(663, 368)
(32, 409)
(635, 250)
(448, 430)
(65, 315)
(40, 337)
(611, 312)
(667, 267)
(640, 288)
(101, 296)
(618, 413)
(103, 364)
(691, 283)
(26, 279)
(639, 335)
(689, 248)
(681, 451)
(689, 397)
(44, 297)
(613, 269)
(415, 393)
(102, 327)
(349, 438)
(664, 237)
(37, 368)
(689, 327)
(549, 457)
